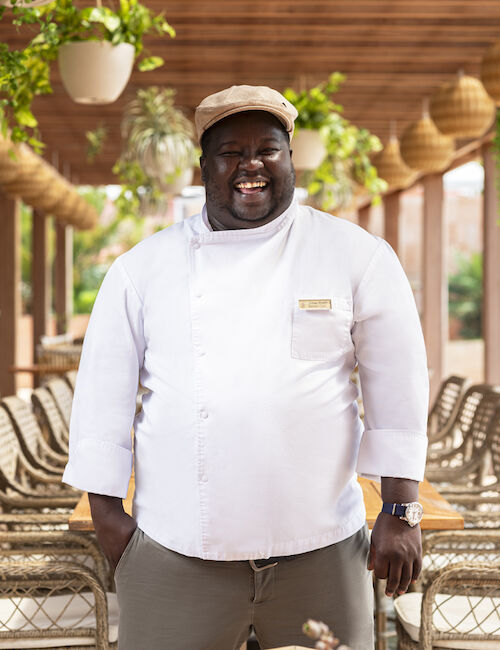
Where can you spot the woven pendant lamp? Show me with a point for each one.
(462, 108)
(390, 166)
(424, 148)
(490, 71)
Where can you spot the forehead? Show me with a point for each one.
(246, 125)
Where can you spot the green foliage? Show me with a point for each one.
(95, 140)
(465, 289)
(94, 249)
(25, 73)
(315, 105)
(347, 164)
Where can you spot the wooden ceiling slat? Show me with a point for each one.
(394, 54)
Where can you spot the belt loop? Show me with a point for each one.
(262, 568)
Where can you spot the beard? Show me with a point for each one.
(220, 205)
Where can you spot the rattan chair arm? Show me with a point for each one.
(52, 456)
(38, 475)
(451, 580)
(37, 502)
(473, 499)
(57, 576)
(464, 490)
(464, 538)
(33, 519)
(459, 474)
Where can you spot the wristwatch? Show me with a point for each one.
(409, 512)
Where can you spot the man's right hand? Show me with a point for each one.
(113, 526)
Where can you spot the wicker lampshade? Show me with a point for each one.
(462, 108)
(490, 71)
(391, 167)
(32, 179)
(424, 148)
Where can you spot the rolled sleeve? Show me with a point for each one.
(100, 449)
(390, 352)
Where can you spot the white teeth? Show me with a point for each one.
(248, 186)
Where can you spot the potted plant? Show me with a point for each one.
(314, 108)
(160, 137)
(96, 47)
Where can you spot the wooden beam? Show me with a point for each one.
(41, 280)
(364, 216)
(391, 219)
(63, 298)
(10, 291)
(491, 270)
(434, 280)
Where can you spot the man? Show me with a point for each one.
(245, 323)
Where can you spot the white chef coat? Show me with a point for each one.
(249, 440)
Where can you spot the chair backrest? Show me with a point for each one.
(49, 417)
(477, 436)
(9, 450)
(70, 378)
(469, 405)
(25, 423)
(63, 397)
(494, 444)
(446, 404)
(445, 547)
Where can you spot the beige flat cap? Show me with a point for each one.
(243, 98)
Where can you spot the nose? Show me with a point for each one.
(251, 162)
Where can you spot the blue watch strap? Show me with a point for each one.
(394, 509)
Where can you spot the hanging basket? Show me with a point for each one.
(424, 148)
(95, 72)
(51, 195)
(490, 71)
(11, 166)
(308, 149)
(391, 167)
(462, 108)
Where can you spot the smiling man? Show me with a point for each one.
(245, 323)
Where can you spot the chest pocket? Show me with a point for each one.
(321, 334)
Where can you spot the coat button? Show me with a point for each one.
(203, 414)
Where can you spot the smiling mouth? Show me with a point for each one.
(254, 187)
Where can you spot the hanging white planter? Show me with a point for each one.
(308, 149)
(95, 72)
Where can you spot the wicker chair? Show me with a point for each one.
(23, 486)
(70, 378)
(452, 434)
(63, 397)
(53, 593)
(469, 462)
(50, 419)
(459, 608)
(36, 449)
(446, 405)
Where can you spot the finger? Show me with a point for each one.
(393, 579)
(417, 568)
(381, 567)
(404, 581)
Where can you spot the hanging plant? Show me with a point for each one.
(158, 153)
(25, 73)
(345, 166)
(158, 135)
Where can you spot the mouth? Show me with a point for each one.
(251, 187)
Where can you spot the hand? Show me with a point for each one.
(395, 553)
(113, 526)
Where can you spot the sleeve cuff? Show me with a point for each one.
(392, 452)
(100, 467)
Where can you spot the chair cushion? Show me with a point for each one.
(455, 611)
(26, 615)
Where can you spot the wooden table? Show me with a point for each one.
(438, 514)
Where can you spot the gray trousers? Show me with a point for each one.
(170, 601)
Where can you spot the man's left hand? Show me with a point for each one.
(395, 553)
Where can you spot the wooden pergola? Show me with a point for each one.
(395, 53)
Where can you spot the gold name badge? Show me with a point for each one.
(315, 304)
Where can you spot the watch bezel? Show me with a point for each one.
(415, 513)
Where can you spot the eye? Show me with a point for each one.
(269, 151)
(229, 153)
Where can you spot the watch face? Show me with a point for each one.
(414, 513)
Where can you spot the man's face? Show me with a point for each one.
(247, 170)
